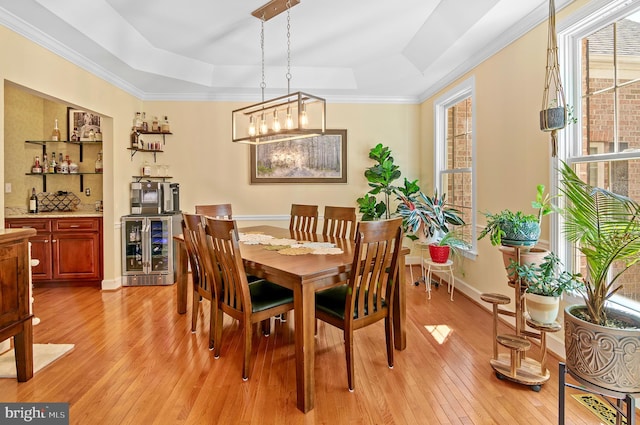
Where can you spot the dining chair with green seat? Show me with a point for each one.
(250, 304)
(202, 285)
(367, 296)
(215, 211)
(339, 222)
(304, 218)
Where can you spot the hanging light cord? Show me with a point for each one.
(263, 85)
(288, 47)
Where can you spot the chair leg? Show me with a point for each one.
(212, 324)
(246, 363)
(218, 333)
(348, 349)
(194, 311)
(266, 327)
(389, 337)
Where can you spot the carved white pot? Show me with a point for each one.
(542, 308)
(604, 357)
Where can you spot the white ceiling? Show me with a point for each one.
(343, 50)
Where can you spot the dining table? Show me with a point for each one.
(304, 275)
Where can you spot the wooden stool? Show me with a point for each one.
(495, 299)
(517, 345)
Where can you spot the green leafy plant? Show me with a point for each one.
(518, 223)
(380, 177)
(546, 278)
(420, 212)
(606, 228)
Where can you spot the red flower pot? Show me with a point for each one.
(439, 254)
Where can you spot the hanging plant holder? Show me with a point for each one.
(553, 116)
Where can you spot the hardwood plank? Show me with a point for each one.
(136, 361)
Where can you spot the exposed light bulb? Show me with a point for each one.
(276, 121)
(252, 127)
(304, 120)
(263, 125)
(289, 120)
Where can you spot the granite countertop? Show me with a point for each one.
(81, 211)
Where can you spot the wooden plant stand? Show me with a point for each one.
(515, 365)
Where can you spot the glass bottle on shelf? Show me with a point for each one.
(137, 121)
(73, 166)
(52, 164)
(33, 202)
(92, 135)
(45, 163)
(74, 135)
(59, 165)
(146, 169)
(145, 124)
(64, 165)
(155, 125)
(98, 136)
(55, 135)
(37, 168)
(165, 128)
(99, 163)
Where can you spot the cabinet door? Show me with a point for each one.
(41, 250)
(76, 256)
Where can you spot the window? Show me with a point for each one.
(455, 153)
(602, 75)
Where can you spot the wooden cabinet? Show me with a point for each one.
(69, 249)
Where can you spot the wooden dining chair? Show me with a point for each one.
(304, 218)
(368, 295)
(250, 304)
(339, 222)
(215, 211)
(202, 285)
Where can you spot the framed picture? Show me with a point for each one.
(82, 122)
(318, 159)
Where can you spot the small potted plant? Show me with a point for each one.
(517, 228)
(449, 246)
(545, 283)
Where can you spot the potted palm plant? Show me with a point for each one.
(602, 343)
(545, 283)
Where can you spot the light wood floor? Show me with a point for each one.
(136, 362)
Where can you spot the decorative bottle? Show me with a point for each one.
(92, 135)
(37, 168)
(137, 121)
(73, 166)
(59, 165)
(55, 135)
(45, 163)
(145, 124)
(33, 202)
(99, 163)
(64, 167)
(52, 164)
(74, 135)
(155, 125)
(165, 128)
(98, 136)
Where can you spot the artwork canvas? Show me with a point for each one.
(82, 122)
(318, 159)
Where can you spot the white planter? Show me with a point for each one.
(541, 308)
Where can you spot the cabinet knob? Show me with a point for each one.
(46, 241)
(54, 240)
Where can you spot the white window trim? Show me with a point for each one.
(462, 91)
(595, 15)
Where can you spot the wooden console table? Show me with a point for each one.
(15, 318)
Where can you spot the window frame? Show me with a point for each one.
(466, 89)
(592, 17)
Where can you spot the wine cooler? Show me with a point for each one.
(147, 249)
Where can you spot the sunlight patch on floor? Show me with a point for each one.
(439, 332)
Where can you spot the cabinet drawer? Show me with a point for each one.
(42, 225)
(76, 224)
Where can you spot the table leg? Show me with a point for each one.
(304, 313)
(181, 275)
(400, 307)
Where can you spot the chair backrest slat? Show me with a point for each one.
(304, 218)
(190, 231)
(373, 272)
(215, 211)
(339, 222)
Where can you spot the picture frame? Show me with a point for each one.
(317, 159)
(82, 122)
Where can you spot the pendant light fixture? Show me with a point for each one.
(293, 116)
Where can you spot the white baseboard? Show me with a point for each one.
(111, 285)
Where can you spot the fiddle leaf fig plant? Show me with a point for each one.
(380, 177)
